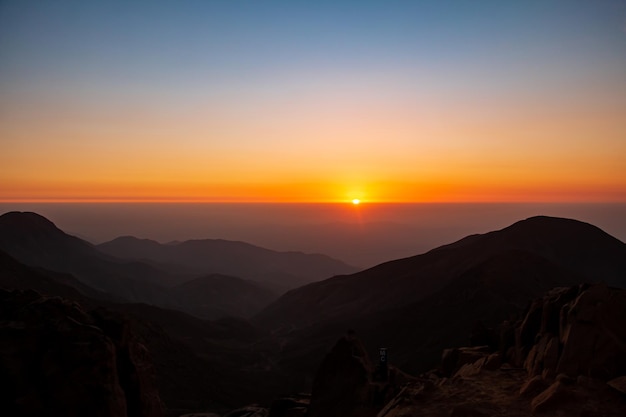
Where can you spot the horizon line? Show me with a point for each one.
(341, 202)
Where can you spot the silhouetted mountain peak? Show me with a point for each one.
(133, 242)
(129, 238)
(547, 224)
(526, 257)
(27, 236)
(538, 228)
(26, 222)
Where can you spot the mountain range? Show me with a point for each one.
(283, 270)
(415, 307)
(193, 285)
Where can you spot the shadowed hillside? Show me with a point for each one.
(576, 247)
(37, 242)
(283, 270)
(420, 305)
(212, 295)
(199, 363)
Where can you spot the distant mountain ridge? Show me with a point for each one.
(188, 283)
(15, 275)
(282, 269)
(36, 241)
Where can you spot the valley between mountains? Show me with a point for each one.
(133, 327)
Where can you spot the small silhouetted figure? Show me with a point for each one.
(382, 369)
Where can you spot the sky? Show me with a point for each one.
(325, 101)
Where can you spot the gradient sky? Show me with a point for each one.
(313, 101)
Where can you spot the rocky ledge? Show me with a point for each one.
(567, 356)
(57, 359)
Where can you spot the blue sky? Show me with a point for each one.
(194, 41)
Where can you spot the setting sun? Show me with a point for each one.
(335, 109)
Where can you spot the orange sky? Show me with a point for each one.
(502, 114)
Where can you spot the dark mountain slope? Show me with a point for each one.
(36, 241)
(200, 363)
(15, 275)
(58, 359)
(568, 244)
(416, 333)
(418, 306)
(494, 290)
(212, 295)
(282, 269)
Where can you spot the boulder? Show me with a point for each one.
(449, 361)
(343, 384)
(533, 386)
(593, 334)
(542, 319)
(486, 363)
(452, 360)
(582, 331)
(58, 359)
(618, 384)
(556, 396)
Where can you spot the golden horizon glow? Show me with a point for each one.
(347, 106)
(453, 164)
(382, 192)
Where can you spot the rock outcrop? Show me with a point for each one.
(348, 385)
(58, 359)
(582, 331)
(568, 357)
(343, 386)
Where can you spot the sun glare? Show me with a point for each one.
(356, 201)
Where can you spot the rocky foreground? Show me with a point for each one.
(566, 357)
(57, 359)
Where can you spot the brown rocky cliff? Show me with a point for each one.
(58, 359)
(582, 331)
(568, 357)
